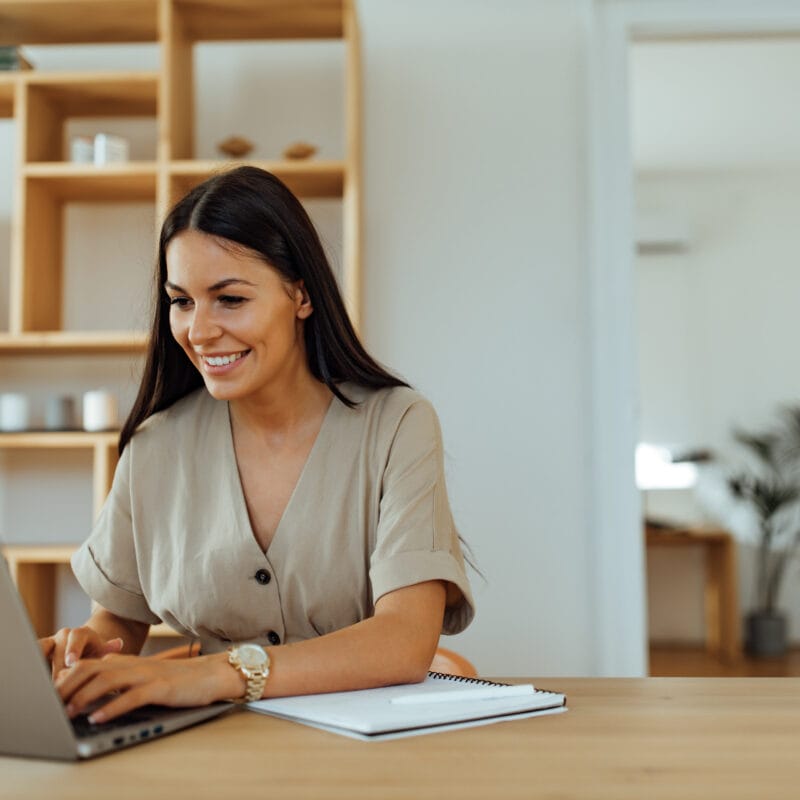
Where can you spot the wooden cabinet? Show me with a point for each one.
(43, 104)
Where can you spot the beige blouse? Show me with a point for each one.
(369, 515)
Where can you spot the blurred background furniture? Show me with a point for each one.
(723, 637)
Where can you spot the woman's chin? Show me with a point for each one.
(221, 390)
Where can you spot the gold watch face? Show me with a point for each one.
(252, 656)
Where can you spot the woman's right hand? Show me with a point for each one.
(64, 648)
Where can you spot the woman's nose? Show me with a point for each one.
(203, 328)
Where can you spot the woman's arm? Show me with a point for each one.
(103, 633)
(396, 645)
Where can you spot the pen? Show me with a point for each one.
(485, 693)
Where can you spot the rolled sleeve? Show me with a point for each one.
(119, 600)
(416, 538)
(408, 568)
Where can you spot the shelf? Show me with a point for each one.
(87, 94)
(69, 343)
(217, 20)
(308, 178)
(77, 21)
(39, 553)
(130, 182)
(62, 440)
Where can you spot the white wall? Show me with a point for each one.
(476, 291)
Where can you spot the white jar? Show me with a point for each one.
(15, 412)
(99, 411)
(81, 150)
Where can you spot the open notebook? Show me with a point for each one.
(441, 702)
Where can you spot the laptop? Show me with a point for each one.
(33, 721)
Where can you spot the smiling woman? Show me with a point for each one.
(280, 496)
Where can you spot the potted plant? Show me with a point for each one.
(772, 492)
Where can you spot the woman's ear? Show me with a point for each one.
(303, 307)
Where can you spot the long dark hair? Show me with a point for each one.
(255, 209)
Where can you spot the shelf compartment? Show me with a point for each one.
(219, 20)
(50, 100)
(47, 188)
(73, 343)
(33, 569)
(103, 446)
(77, 21)
(304, 178)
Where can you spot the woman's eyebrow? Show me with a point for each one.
(215, 287)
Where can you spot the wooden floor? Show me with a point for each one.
(694, 662)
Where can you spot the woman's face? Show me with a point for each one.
(236, 318)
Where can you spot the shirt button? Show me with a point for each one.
(273, 638)
(263, 577)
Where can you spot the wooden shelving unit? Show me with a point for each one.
(42, 104)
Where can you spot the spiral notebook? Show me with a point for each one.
(441, 702)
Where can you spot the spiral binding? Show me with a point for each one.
(446, 676)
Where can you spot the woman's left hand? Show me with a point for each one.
(140, 681)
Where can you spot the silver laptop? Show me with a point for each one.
(33, 721)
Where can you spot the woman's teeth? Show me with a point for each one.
(221, 361)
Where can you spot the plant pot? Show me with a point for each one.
(765, 634)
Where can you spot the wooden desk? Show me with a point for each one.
(723, 623)
(622, 739)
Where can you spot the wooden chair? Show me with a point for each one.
(443, 661)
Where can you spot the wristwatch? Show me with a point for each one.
(251, 660)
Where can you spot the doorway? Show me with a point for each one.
(617, 27)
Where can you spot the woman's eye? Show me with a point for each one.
(231, 300)
(180, 302)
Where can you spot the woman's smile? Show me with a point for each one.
(222, 364)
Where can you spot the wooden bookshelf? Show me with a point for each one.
(43, 104)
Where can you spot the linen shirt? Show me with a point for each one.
(369, 515)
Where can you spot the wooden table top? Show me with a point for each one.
(642, 739)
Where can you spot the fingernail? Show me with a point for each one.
(98, 716)
(70, 710)
(70, 659)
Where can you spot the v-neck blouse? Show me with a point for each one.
(369, 515)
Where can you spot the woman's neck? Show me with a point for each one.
(283, 410)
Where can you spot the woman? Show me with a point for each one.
(276, 486)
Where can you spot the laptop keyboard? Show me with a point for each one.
(83, 728)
